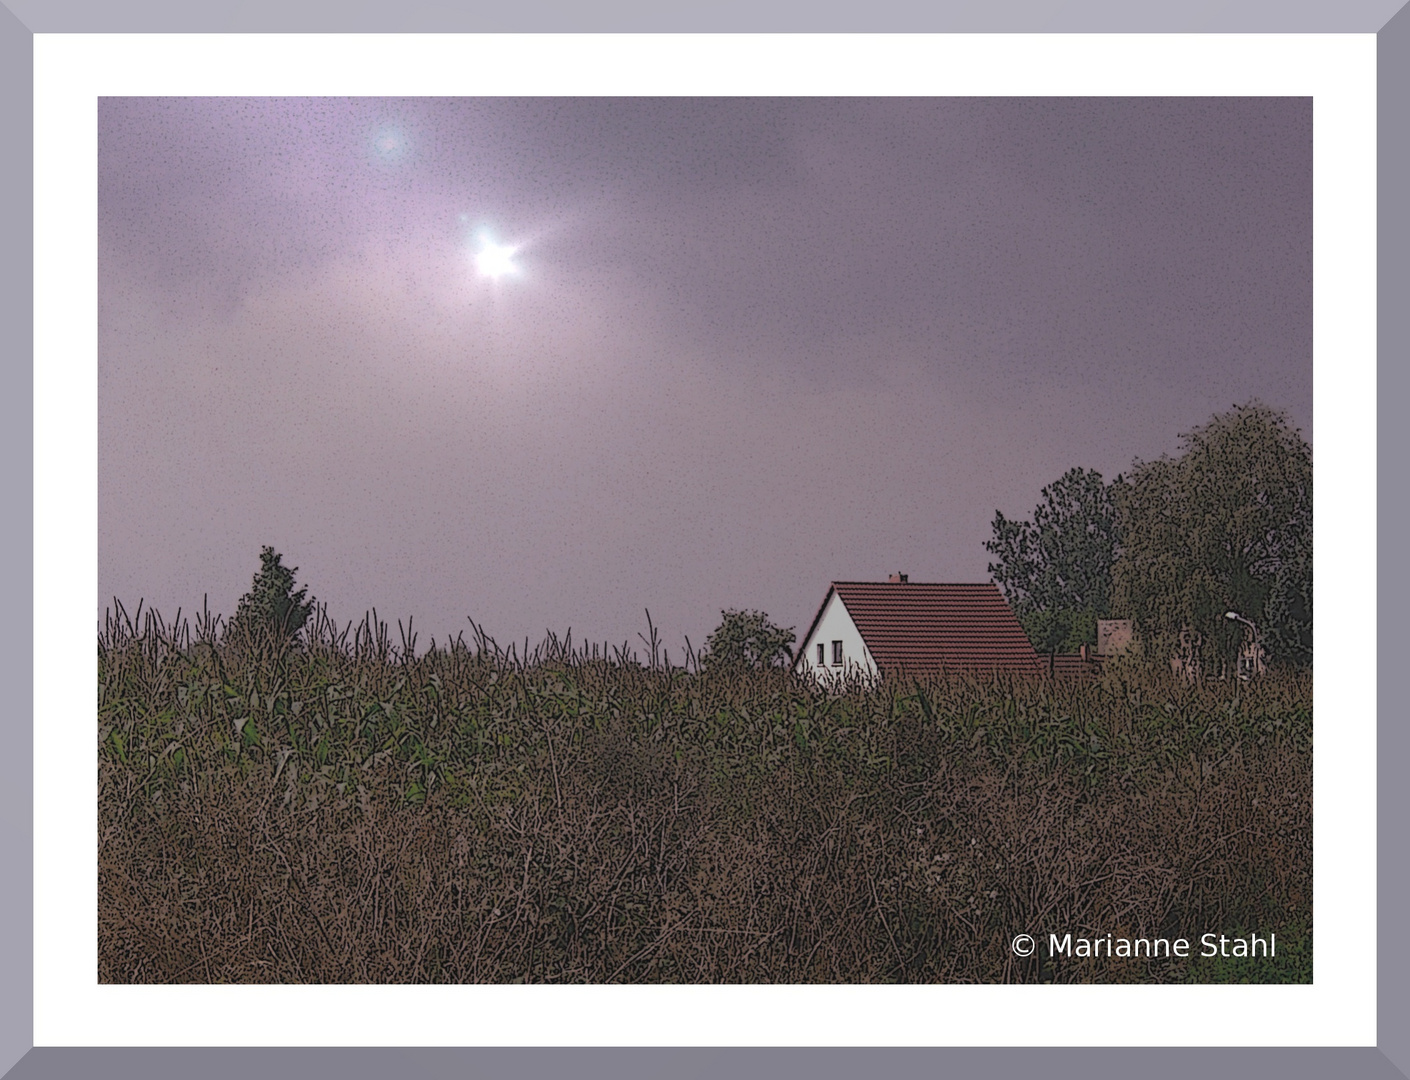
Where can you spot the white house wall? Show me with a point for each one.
(836, 625)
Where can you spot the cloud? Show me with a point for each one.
(756, 345)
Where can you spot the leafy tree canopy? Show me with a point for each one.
(1055, 570)
(272, 606)
(1226, 526)
(747, 640)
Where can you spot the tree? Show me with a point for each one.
(747, 640)
(272, 607)
(1226, 526)
(1055, 570)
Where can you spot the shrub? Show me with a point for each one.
(747, 641)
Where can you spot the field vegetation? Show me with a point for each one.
(330, 806)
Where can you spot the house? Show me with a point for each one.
(865, 629)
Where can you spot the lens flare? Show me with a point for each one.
(390, 144)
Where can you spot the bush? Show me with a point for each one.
(747, 641)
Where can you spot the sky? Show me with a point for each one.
(548, 364)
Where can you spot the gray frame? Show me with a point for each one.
(20, 19)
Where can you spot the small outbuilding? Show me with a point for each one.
(865, 629)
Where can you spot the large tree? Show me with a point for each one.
(1055, 570)
(272, 607)
(1224, 527)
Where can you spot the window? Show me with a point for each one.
(822, 657)
(837, 653)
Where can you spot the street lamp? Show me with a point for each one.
(1245, 672)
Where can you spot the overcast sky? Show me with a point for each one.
(743, 348)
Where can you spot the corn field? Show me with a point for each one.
(339, 809)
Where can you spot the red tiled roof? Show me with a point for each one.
(931, 627)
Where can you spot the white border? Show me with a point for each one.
(71, 71)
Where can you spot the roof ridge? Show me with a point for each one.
(903, 584)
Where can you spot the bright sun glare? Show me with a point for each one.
(495, 260)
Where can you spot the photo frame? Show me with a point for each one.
(760, 1060)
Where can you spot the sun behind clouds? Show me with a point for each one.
(495, 260)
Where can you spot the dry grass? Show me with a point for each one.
(342, 811)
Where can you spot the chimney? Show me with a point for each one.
(899, 577)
